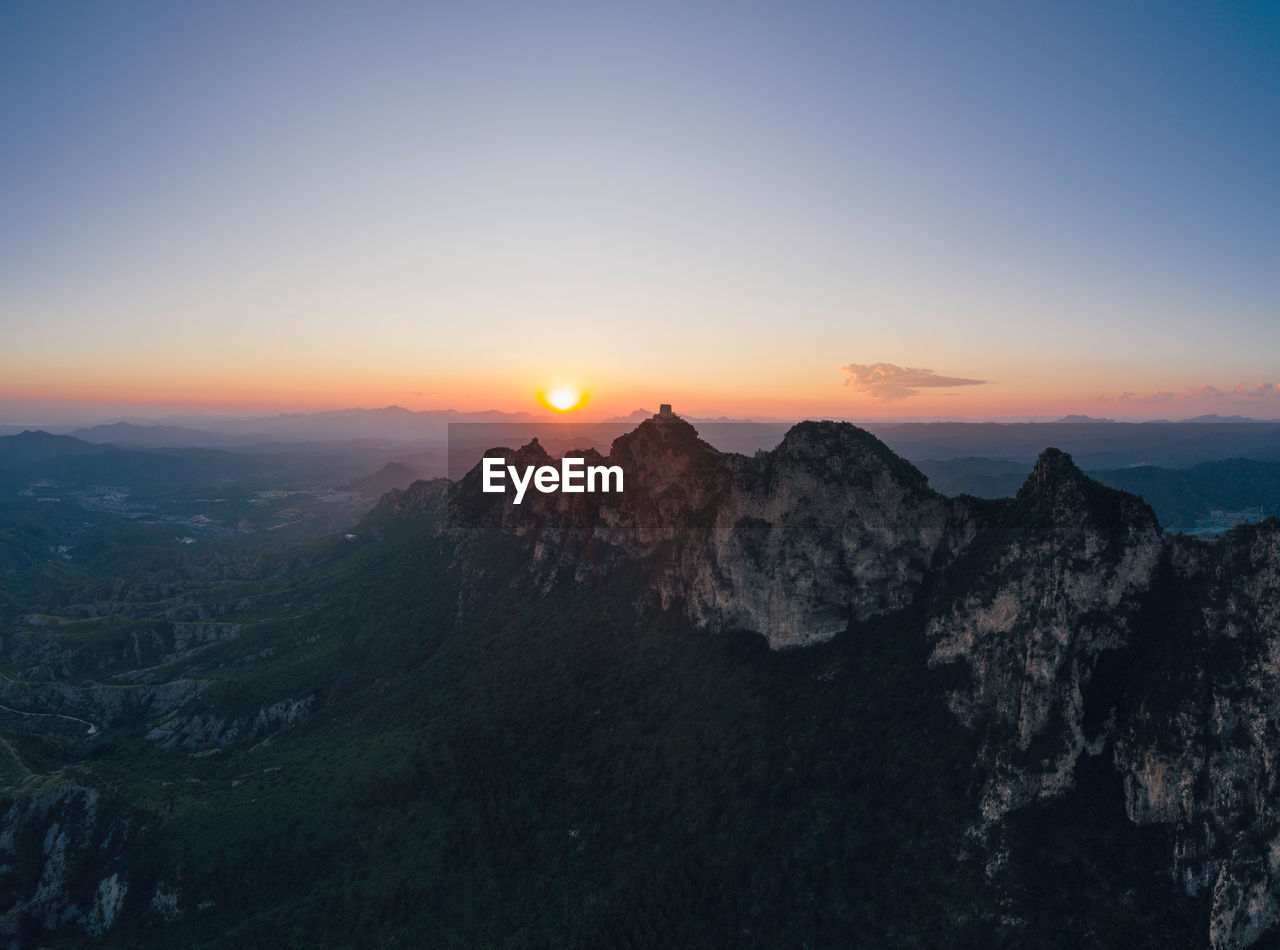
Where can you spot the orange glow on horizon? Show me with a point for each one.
(788, 394)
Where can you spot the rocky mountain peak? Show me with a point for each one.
(845, 450)
(531, 453)
(668, 433)
(1058, 493)
(827, 528)
(1053, 470)
(663, 454)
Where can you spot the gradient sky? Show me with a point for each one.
(281, 206)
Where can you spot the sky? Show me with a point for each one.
(891, 210)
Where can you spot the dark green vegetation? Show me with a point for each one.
(980, 477)
(1182, 496)
(553, 774)
(38, 538)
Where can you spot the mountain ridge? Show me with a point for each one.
(1057, 581)
(828, 703)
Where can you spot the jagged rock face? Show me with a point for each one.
(794, 544)
(54, 833)
(1086, 578)
(1044, 605)
(201, 732)
(1201, 750)
(823, 531)
(1062, 623)
(418, 498)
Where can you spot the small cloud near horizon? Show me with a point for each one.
(1199, 392)
(886, 381)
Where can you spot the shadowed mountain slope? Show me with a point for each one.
(1031, 722)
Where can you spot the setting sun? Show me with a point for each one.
(563, 398)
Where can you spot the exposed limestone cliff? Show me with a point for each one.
(1063, 622)
(1037, 612)
(1200, 749)
(54, 833)
(795, 543)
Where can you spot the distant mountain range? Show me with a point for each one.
(1094, 441)
(984, 459)
(391, 422)
(1092, 444)
(1214, 417)
(129, 433)
(62, 457)
(1211, 417)
(390, 477)
(38, 454)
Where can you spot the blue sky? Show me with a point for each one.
(284, 205)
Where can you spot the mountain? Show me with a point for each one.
(737, 538)
(980, 477)
(1093, 444)
(390, 422)
(398, 433)
(63, 458)
(37, 447)
(38, 454)
(1179, 496)
(1214, 417)
(1052, 617)
(150, 436)
(792, 698)
(390, 477)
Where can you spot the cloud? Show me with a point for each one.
(1199, 392)
(886, 381)
(1259, 389)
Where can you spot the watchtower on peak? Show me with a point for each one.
(664, 411)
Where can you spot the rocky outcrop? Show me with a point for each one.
(39, 652)
(829, 527)
(202, 732)
(57, 833)
(1201, 749)
(1055, 582)
(824, 530)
